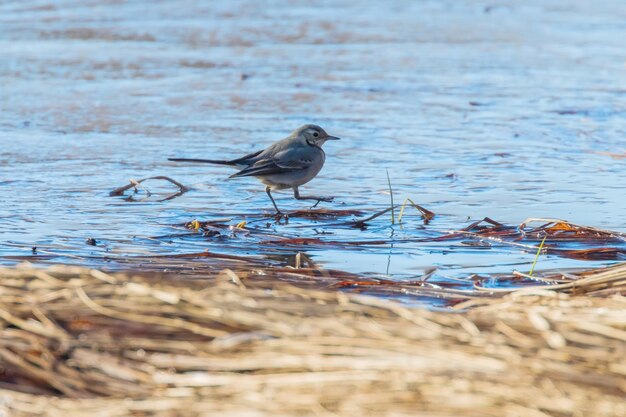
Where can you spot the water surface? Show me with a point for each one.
(476, 109)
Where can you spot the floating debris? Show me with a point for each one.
(136, 184)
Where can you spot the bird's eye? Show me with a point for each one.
(316, 134)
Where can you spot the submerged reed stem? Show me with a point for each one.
(532, 268)
(393, 221)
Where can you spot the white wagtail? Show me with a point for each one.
(288, 163)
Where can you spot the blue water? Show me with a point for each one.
(500, 110)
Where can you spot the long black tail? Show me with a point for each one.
(206, 161)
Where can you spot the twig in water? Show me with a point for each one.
(427, 214)
(532, 268)
(361, 222)
(134, 183)
(393, 221)
(565, 228)
(301, 259)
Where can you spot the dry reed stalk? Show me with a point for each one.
(78, 342)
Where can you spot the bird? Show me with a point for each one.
(288, 163)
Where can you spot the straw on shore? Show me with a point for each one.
(79, 342)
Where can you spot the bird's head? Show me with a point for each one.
(313, 135)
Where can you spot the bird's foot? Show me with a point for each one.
(320, 199)
(280, 216)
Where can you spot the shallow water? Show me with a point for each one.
(476, 109)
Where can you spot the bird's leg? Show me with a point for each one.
(279, 214)
(297, 196)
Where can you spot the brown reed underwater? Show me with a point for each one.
(79, 342)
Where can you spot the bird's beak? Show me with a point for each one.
(332, 137)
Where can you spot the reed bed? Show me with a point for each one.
(79, 342)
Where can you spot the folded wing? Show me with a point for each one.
(281, 163)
